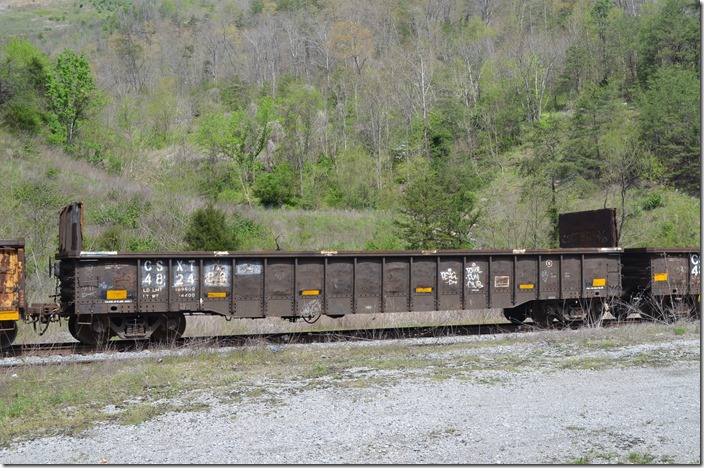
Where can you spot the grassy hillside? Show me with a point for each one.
(40, 180)
(153, 213)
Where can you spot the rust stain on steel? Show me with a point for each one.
(595, 228)
(12, 296)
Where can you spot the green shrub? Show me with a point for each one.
(276, 188)
(652, 201)
(207, 230)
(139, 244)
(383, 240)
(21, 116)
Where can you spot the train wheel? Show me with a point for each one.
(8, 333)
(95, 333)
(620, 313)
(517, 314)
(549, 314)
(72, 326)
(693, 307)
(669, 311)
(675, 308)
(182, 326)
(171, 328)
(665, 309)
(696, 308)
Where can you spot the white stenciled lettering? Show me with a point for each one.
(696, 268)
(148, 265)
(154, 274)
(181, 267)
(185, 273)
(216, 275)
(191, 279)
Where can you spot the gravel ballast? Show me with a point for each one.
(550, 414)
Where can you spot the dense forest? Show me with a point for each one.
(420, 123)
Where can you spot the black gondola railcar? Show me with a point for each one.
(140, 295)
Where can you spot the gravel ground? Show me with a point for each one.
(549, 415)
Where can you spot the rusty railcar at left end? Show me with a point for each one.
(13, 305)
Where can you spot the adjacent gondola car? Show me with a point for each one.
(662, 284)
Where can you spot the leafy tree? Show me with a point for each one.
(383, 240)
(250, 235)
(320, 186)
(108, 5)
(597, 109)
(628, 162)
(599, 19)
(441, 133)
(303, 122)
(440, 213)
(256, 6)
(240, 136)
(71, 94)
(293, 5)
(621, 50)
(576, 69)
(670, 124)
(208, 230)
(499, 113)
(351, 41)
(278, 187)
(670, 36)
(24, 74)
(355, 179)
(548, 170)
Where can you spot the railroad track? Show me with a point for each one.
(327, 336)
